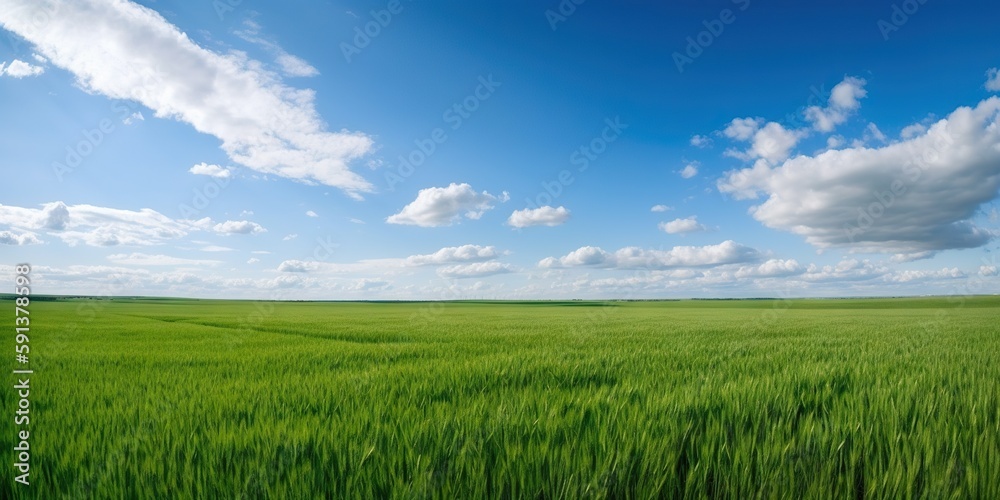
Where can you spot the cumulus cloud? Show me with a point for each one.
(908, 197)
(742, 129)
(660, 208)
(102, 226)
(542, 216)
(844, 101)
(96, 226)
(238, 227)
(909, 275)
(367, 284)
(297, 266)
(450, 255)
(701, 141)
(835, 141)
(993, 80)
(773, 268)
(444, 206)
(263, 124)
(690, 170)
(310, 213)
(210, 170)
(871, 134)
(17, 239)
(475, 270)
(679, 226)
(727, 252)
(774, 142)
(20, 69)
(911, 131)
(847, 270)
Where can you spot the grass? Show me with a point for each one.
(879, 398)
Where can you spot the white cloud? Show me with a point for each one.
(143, 259)
(475, 270)
(771, 269)
(660, 208)
(843, 102)
(134, 118)
(993, 80)
(238, 227)
(356, 221)
(835, 141)
(701, 141)
(263, 124)
(215, 248)
(910, 257)
(774, 143)
(210, 170)
(366, 284)
(872, 134)
(290, 237)
(295, 66)
(310, 213)
(911, 131)
(988, 270)
(17, 239)
(690, 170)
(253, 260)
(445, 206)
(297, 266)
(908, 197)
(96, 226)
(848, 270)
(742, 129)
(920, 275)
(680, 226)
(20, 69)
(542, 216)
(727, 252)
(450, 255)
(102, 226)
(290, 65)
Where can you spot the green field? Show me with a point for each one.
(145, 398)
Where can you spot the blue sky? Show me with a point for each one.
(734, 148)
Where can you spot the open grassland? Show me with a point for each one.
(146, 398)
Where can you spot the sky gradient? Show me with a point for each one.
(502, 150)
